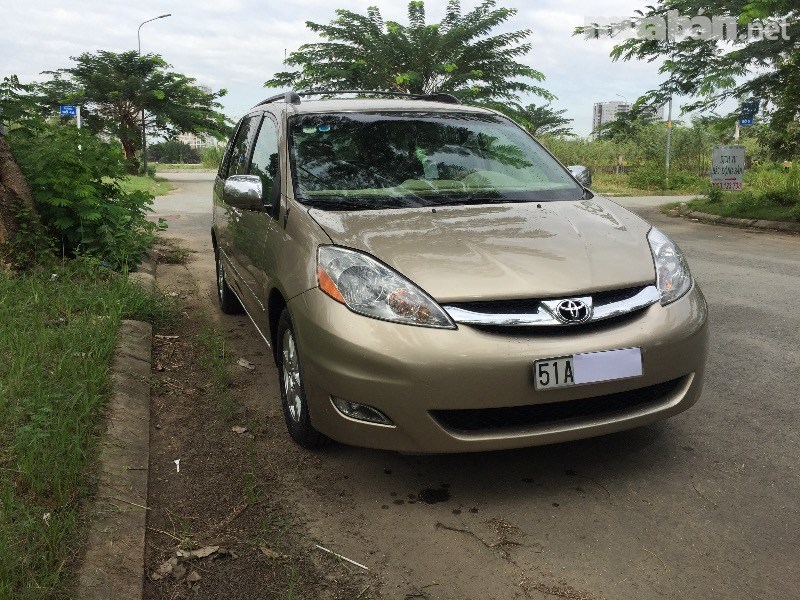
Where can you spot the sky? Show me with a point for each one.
(239, 44)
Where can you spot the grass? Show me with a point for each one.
(57, 335)
(171, 167)
(746, 206)
(215, 359)
(156, 186)
(619, 185)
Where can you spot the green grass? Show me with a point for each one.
(57, 335)
(619, 185)
(168, 167)
(156, 186)
(745, 207)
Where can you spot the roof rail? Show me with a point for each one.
(288, 97)
(294, 97)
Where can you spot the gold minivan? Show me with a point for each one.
(430, 279)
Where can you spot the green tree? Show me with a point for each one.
(459, 55)
(541, 120)
(113, 87)
(713, 71)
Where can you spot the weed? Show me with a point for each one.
(57, 335)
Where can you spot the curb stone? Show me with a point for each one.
(113, 566)
(145, 275)
(755, 223)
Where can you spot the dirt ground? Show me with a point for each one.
(220, 494)
(701, 506)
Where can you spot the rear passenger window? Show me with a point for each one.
(237, 165)
(265, 161)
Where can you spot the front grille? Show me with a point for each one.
(504, 307)
(537, 415)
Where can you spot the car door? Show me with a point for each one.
(231, 231)
(262, 231)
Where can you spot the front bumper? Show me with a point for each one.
(412, 373)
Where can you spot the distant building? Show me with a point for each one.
(606, 112)
(202, 140)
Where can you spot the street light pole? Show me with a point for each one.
(144, 131)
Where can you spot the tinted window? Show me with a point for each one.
(379, 160)
(265, 162)
(237, 165)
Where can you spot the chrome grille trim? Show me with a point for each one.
(543, 315)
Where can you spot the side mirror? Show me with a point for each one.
(582, 174)
(244, 192)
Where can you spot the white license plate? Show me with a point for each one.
(588, 367)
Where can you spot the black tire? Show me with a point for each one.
(228, 302)
(293, 397)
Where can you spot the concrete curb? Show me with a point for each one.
(113, 566)
(756, 223)
(145, 275)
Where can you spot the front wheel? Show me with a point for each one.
(228, 302)
(293, 396)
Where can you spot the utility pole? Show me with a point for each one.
(144, 130)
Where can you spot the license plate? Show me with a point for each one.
(588, 367)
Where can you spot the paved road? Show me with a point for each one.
(702, 506)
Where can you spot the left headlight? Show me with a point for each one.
(370, 288)
(672, 273)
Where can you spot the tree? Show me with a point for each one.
(713, 71)
(112, 88)
(541, 120)
(457, 56)
(18, 214)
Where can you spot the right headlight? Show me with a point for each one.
(372, 289)
(672, 273)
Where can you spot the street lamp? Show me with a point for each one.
(144, 132)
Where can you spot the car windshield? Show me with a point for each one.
(350, 161)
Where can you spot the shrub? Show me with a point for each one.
(73, 175)
(211, 157)
(173, 151)
(714, 195)
(651, 176)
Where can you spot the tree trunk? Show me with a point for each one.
(130, 153)
(15, 194)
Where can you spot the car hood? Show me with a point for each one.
(503, 251)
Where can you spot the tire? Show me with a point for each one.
(293, 396)
(228, 302)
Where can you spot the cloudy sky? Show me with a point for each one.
(238, 44)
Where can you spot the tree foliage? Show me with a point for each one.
(59, 188)
(540, 119)
(713, 71)
(113, 87)
(460, 55)
(74, 177)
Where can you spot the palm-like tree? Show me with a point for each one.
(457, 56)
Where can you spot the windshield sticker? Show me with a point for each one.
(324, 128)
(309, 129)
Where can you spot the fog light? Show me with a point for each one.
(360, 412)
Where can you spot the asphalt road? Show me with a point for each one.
(704, 505)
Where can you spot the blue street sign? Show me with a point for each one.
(745, 121)
(68, 111)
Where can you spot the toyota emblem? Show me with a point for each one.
(573, 311)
